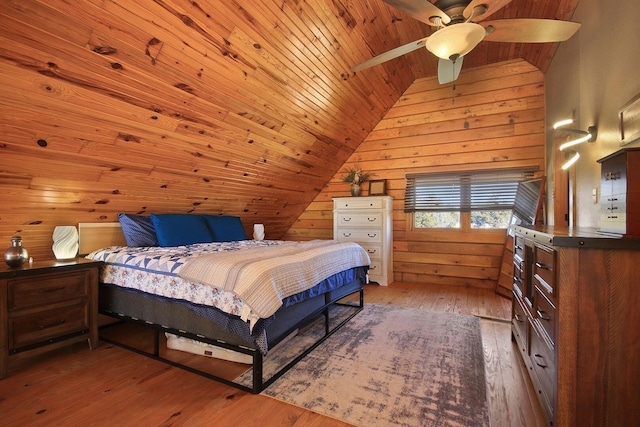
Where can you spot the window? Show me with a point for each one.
(463, 201)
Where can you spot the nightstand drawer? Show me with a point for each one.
(46, 289)
(42, 326)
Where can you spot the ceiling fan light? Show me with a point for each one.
(457, 39)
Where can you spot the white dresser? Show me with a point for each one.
(368, 222)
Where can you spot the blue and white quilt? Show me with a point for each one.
(155, 270)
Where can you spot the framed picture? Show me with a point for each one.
(378, 187)
(630, 121)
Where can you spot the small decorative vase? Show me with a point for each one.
(16, 255)
(65, 242)
(355, 190)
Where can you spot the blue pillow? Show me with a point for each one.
(180, 229)
(138, 230)
(225, 228)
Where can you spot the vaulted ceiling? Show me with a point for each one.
(245, 108)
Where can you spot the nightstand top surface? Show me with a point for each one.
(42, 266)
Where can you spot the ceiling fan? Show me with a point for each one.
(457, 31)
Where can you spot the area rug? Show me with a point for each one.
(390, 366)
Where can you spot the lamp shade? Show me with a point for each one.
(65, 242)
(455, 40)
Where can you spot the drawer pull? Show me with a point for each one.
(518, 247)
(372, 235)
(543, 266)
(371, 219)
(517, 318)
(539, 360)
(372, 251)
(346, 219)
(51, 325)
(517, 279)
(346, 234)
(542, 315)
(612, 199)
(613, 208)
(373, 267)
(46, 291)
(612, 216)
(612, 176)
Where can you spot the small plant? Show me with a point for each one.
(355, 175)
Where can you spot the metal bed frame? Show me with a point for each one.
(258, 382)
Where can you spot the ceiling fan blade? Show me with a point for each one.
(448, 71)
(421, 10)
(530, 30)
(390, 54)
(490, 5)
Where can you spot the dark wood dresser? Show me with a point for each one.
(45, 305)
(620, 192)
(576, 321)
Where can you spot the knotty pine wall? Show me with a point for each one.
(497, 122)
(218, 107)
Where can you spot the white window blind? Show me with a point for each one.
(462, 192)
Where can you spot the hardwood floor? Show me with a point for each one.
(74, 386)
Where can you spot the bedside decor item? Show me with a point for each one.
(258, 231)
(356, 177)
(65, 242)
(378, 187)
(16, 255)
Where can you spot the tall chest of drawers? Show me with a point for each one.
(368, 222)
(620, 192)
(576, 323)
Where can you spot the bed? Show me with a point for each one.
(217, 288)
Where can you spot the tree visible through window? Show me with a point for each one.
(476, 200)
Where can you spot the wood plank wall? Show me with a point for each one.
(218, 107)
(497, 122)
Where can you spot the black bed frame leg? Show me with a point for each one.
(156, 343)
(257, 372)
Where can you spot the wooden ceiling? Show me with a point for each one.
(244, 108)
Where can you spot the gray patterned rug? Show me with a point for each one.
(390, 366)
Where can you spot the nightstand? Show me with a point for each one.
(46, 305)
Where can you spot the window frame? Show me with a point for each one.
(502, 175)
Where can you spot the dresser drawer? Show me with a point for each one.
(361, 235)
(519, 325)
(545, 314)
(519, 278)
(544, 367)
(47, 289)
(350, 219)
(45, 325)
(375, 269)
(374, 251)
(518, 247)
(544, 268)
(359, 203)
